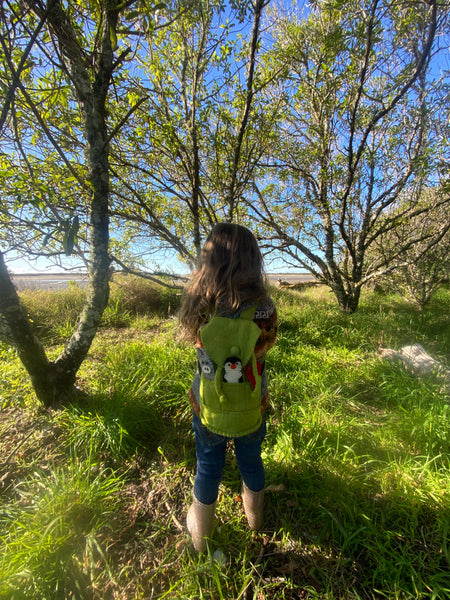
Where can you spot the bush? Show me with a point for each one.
(138, 296)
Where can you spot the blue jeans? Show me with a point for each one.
(211, 460)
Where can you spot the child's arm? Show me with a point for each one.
(193, 400)
(266, 318)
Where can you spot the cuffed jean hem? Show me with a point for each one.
(211, 447)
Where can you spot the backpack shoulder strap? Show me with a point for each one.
(248, 313)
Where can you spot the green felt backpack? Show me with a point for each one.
(230, 377)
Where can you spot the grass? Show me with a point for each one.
(93, 496)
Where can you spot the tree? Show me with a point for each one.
(83, 38)
(198, 134)
(425, 262)
(357, 134)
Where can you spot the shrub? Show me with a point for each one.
(138, 296)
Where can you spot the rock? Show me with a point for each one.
(416, 360)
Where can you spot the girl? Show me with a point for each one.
(229, 284)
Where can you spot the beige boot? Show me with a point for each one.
(253, 507)
(200, 521)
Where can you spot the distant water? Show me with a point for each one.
(57, 281)
(49, 281)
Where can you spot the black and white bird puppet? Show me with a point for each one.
(232, 370)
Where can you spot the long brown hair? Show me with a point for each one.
(231, 273)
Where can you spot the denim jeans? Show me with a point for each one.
(211, 448)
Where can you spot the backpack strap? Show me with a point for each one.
(248, 313)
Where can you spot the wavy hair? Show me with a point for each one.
(231, 273)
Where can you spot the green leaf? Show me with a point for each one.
(70, 236)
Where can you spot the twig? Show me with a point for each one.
(175, 520)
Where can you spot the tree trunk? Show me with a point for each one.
(47, 380)
(348, 299)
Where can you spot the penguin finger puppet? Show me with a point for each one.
(232, 370)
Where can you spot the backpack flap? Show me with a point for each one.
(224, 337)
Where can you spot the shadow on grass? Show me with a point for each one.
(117, 427)
(341, 538)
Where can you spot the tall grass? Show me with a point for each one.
(357, 463)
(55, 533)
(54, 315)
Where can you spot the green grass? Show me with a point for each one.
(57, 528)
(93, 496)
